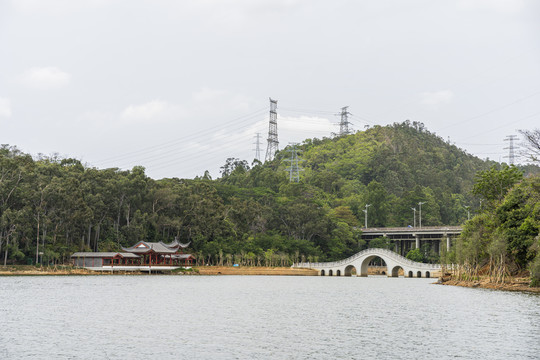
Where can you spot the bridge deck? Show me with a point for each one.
(431, 230)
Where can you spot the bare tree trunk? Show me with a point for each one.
(127, 214)
(6, 251)
(89, 233)
(37, 240)
(1, 241)
(98, 229)
(44, 236)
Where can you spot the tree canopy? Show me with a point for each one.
(51, 207)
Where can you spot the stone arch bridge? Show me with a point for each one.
(359, 263)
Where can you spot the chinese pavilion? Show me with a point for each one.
(143, 256)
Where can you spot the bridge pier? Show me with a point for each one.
(417, 242)
(447, 242)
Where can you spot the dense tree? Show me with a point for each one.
(51, 207)
(503, 239)
(493, 184)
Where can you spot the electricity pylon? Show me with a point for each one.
(273, 142)
(294, 169)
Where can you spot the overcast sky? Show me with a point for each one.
(179, 86)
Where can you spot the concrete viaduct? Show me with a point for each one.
(359, 262)
(408, 238)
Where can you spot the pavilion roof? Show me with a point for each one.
(182, 256)
(176, 242)
(104, 254)
(143, 247)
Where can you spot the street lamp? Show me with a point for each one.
(365, 217)
(414, 216)
(468, 212)
(420, 204)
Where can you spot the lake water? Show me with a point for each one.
(261, 317)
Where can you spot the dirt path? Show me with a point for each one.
(242, 270)
(27, 270)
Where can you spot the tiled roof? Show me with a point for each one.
(143, 247)
(94, 254)
(103, 255)
(182, 256)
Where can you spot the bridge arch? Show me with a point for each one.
(330, 272)
(365, 264)
(410, 274)
(350, 270)
(395, 270)
(338, 272)
(428, 274)
(322, 272)
(419, 274)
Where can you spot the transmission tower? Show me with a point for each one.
(294, 169)
(258, 146)
(511, 154)
(273, 142)
(344, 123)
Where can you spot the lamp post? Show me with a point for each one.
(468, 212)
(420, 205)
(365, 217)
(414, 216)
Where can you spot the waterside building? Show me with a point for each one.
(143, 256)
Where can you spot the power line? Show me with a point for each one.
(493, 110)
(182, 139)
(309, 111)
(502, 126)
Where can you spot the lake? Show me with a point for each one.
(261, 317)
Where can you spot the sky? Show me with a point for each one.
(180, 86)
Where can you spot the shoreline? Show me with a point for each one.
(515, 284)
(520, 284)
(29, 270)
(254, 270)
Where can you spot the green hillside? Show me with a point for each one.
(251, 215)
(393, 168)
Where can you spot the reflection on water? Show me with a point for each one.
(204, 317)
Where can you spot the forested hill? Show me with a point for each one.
(393, 168)
(250, 215)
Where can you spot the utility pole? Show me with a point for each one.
(258, 146)
(420, 204)
(511, 154)
(414, 216)
(344, 123)
(273, 142)
(294, 169)
(468, 212)
(365, 217)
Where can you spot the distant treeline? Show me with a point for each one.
(252, 214)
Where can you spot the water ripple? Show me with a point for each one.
(170, 317)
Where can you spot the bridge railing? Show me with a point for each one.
(395, 256)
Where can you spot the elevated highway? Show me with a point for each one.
(408, 238)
